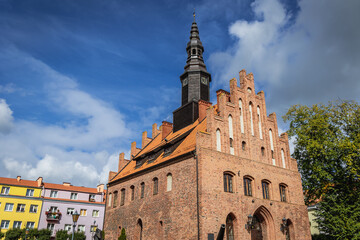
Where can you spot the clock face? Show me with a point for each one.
(185, 82)
(204, 80)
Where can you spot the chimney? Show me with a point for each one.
(122, 161)
(100, 188)
(166, 129)
(203, 106)
(67, 184)
(39, 181)
(18, 178)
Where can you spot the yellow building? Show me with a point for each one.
(20, 203)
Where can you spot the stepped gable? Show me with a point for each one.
(185, 137)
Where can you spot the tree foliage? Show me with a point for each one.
(44, 234)
(62, 235)
(14, 234)
(122, 235)
(327, 148)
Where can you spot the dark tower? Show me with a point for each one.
(195, 82)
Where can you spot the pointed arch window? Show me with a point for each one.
(110, 198)
(115, 198)
(169, 182)
(282, 188)
(142, 189)
(156, 186)
(247, 186)
(265, 189)
(283, 157)
(262, 151)
(228, 182)
(259, 121)
(132, 192)
(241, 116)
(251, 119)
(230, 227)
(272, 147)
(243, 145)
(218, 140)
(140, 229)
(122, 199)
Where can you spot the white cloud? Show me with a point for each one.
(81, 150)
(313, 58)
(6, 118)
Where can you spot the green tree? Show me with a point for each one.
(14, 234)
(327, 148)
(62, 235)
(44, 234)
(122, 235)
(1, 234)
(79, 235)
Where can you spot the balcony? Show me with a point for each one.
(53, 216)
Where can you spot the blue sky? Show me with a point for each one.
(80, 80)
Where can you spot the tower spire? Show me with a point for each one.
(195, 81)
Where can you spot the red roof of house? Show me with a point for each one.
(21, 182)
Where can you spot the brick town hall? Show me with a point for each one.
(216, 170)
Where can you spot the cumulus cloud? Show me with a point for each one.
(6, 118)
(68, 150)
(313, 57)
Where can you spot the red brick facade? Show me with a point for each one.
(197, 204)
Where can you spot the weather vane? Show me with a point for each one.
(194, 14)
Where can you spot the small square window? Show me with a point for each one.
(95, 213)
(33, 208)
(53, 194)
(92, 198)
(67, 227)
(30, 192)
(20, 208)
(5, 224)
(83, 212)
(93, 228)
(17, 224)
(5, 190)
(73, 196)
(9, 207)
(81, 228)
(30, 225)
(70, 211)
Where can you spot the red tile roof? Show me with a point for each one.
(186, 146)
(70, 188)
(22, 182)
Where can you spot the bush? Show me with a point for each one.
(14, 234)
(62, 235)
(321, 237)
(79, 236)
(122, 235)
(44, 234)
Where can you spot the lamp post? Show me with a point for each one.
(75, 217)
(249, 225)
(26, 233)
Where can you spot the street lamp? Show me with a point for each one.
(75, 217)
(284, 225)
(250, 224)
(26, 233)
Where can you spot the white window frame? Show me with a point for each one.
(22, 207)
(32, 208)
(30, 192)
(81, 228)
(17, 224)
(73, 196)
(5, 190)
(83, 210)
(97, 213)
(30, 225)
(68, 227)
(70, 211)
(218, 140)
(53, 194)
(7, 207)
(5, 224)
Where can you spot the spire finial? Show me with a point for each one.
(194, 14)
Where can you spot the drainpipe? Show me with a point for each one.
(197, 193)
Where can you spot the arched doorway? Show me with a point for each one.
(139, 230)
(230, 232)
(289, 231)
(263, 225)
